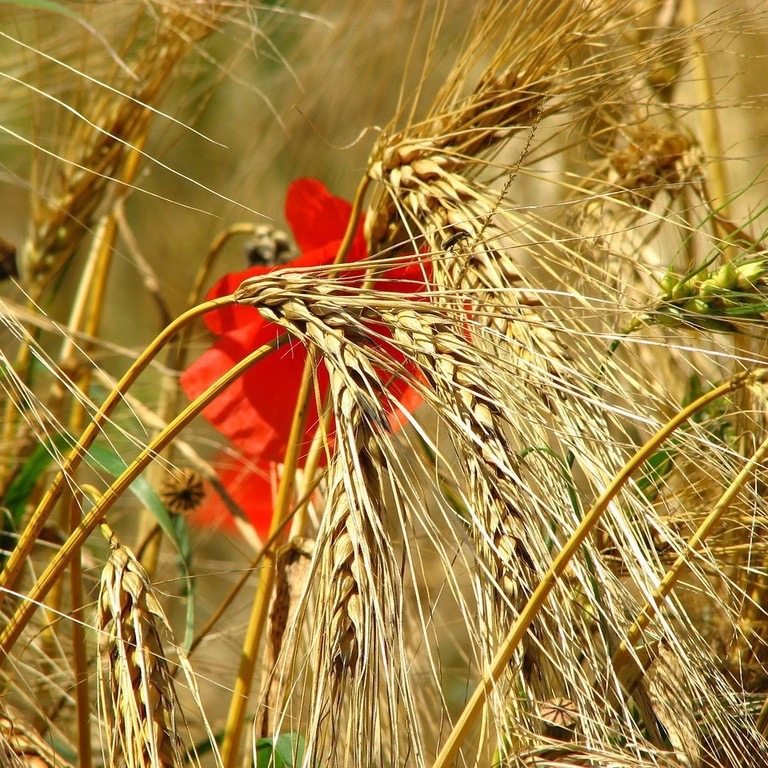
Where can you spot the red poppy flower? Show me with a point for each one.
(256, 411)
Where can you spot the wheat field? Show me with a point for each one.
(384, 384)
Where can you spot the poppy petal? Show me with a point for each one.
(314, 214)
(256, 411)
(250, 486)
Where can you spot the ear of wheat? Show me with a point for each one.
(138, 696)
(142, 711)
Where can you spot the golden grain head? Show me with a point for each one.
(137, 689)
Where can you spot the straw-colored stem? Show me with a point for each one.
(349, 235)
(105, 249)
(528, 614)
(85, 317)
(260, 606)
(63, 557)
(710, 125)
(34, 527)
(79, 655)
(92, 274)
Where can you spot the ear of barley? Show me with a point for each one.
(357, 645)
(470, 401)
(504, 525)
(138, 696)
(112, 126)
(427, 170)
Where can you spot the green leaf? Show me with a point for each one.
(18, 493)
(287, 751)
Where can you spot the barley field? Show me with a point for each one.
(384, 384)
